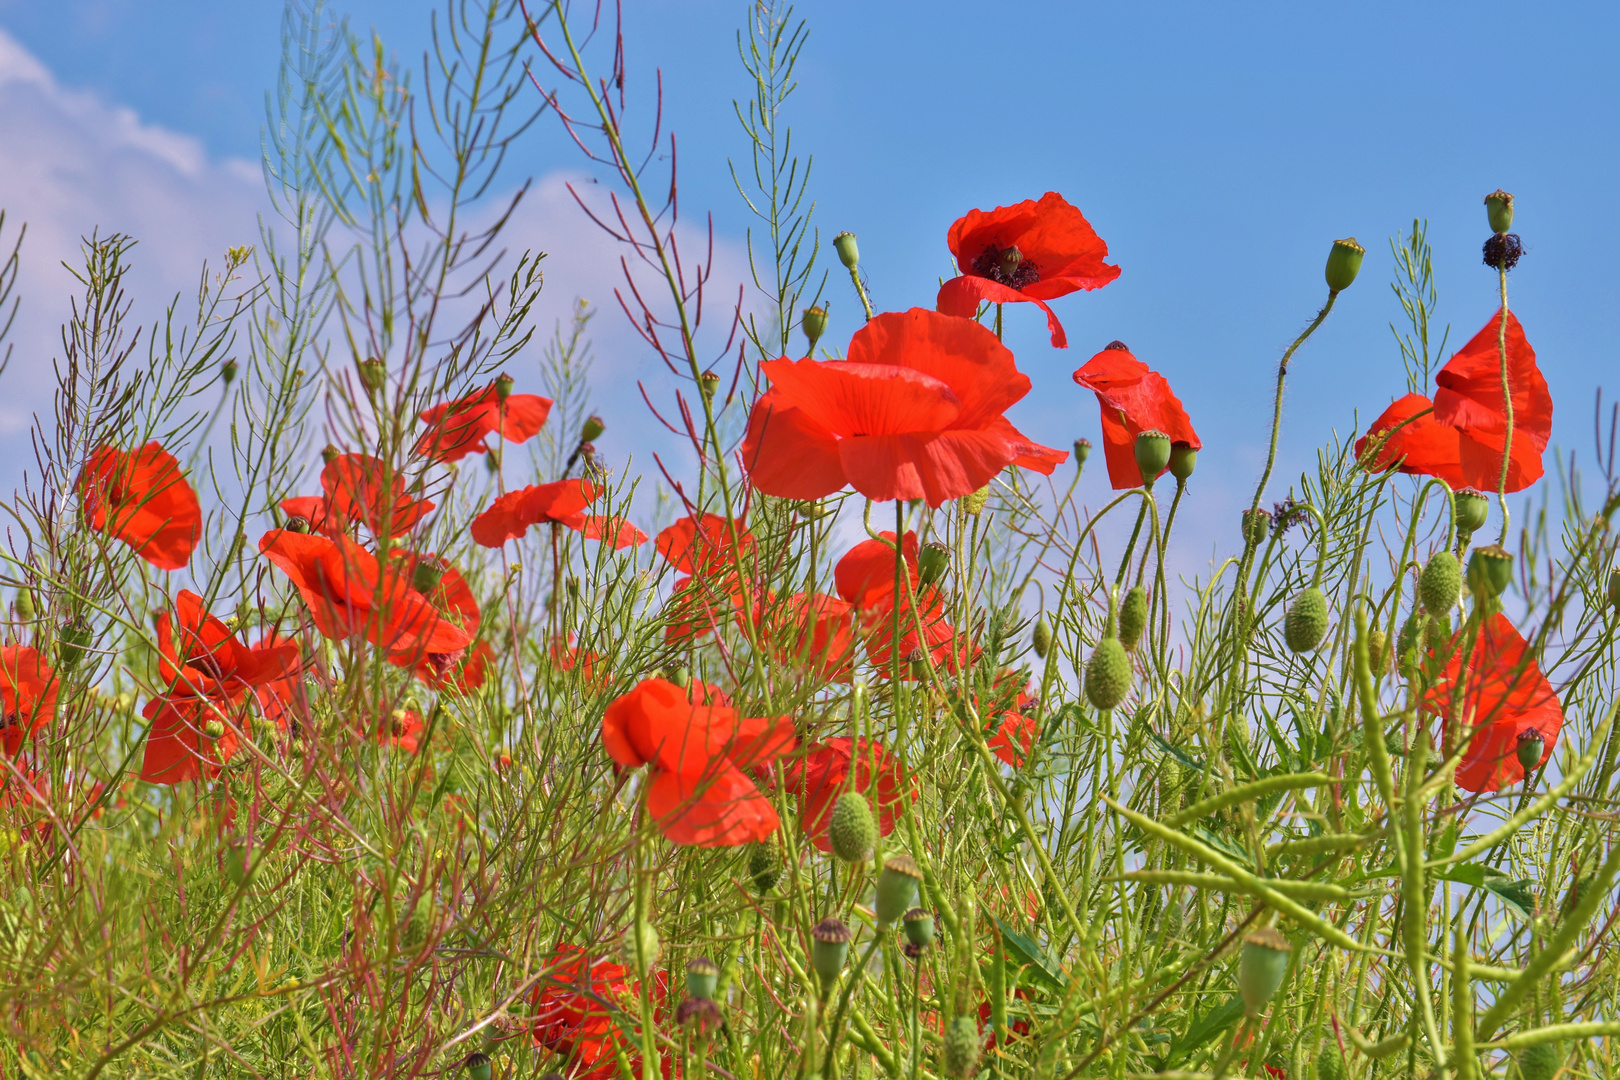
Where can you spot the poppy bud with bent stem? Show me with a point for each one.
(764, 866)
(814, 324)
(1378, 652)
(896, 888)
(1261, 968)
(1108, 674)
(1343, 264)
(1152, 455)
(852, 831)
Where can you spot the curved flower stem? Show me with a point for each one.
(1507, 405)
(860, 290)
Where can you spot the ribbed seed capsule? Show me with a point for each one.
(1441, 583)
(852, 831)
(961, 1047)
(1108, 674)
(1473, 507)
(829, 947)
(919, 927)
(1306, 623)
(1261, 968)
(478, 1067)
(896, 888)
(1152, 455)
(1343, 263)
(1042, 639)
(1133, 617)
(702, 976)
(1490, 570)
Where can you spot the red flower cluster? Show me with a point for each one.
(1036, 250)
(142, 499)
(461, 427)
(707, 550)
(915, 412)
(561, 502)
(444, 587)
(576, 1011)
(822, 775)
(700, 751)
(865, 577)
(358, 488)
(1460, 436)
(1133, 398)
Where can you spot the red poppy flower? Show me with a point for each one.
(27, 693)
(1015, 1030)
(819, 778)
(865, 578)
(142, 499)
(1015, 729)
(561, 502)
(577, 1007)
(349, 594)
(914, 413)
(811, 633)
(698, 789)
(615, 532)
(284, 701)
(402, 728)
(359, 488)
(461, 427)
(442, 585)
(1462, 440)
(1133, 398)
(1502, 697)
(1036, 250)
(705, 550)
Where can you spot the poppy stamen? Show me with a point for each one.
(1006, 266)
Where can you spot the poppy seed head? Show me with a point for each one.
(1006, 266)
(1503, 250)
(1117, 344)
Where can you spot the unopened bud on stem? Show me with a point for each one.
(814, 322)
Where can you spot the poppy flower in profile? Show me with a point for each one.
(820, 777)
(865, 578)
(1133, 398)
(1036, 250)
(707, 549)
(915, 412)
(442, 585)
(359, 488)
(349, 594)
(575, 1011)
(561, 502)
(1501, 698)
(142, 499)
(27, 694)
(461, 427)
(698, 788)
(1462, 440)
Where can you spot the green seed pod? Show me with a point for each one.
(373, 373)
(1082, 450)
(72, 640)
(478, 1067)
(814, 324)
(1343, 264)
(679, 674)
(1530, 747)
(1108, 674)
(829, 948)
(1183, 460)
(1306, 623)
(961, 1054)
(1330, 1063)
(1473, 509)
(896, 888)
(852, 831)
(709, 384)
(932, 562)
(426, 577)
(25, 606)
(1133, 617)
(1614, 590)
(492, 461)
(764, 866)
(702, 976)
(503, 387)
(1490, 571)
(1499, 211)
(919, 927)
(1042, 637)
(1440, 584)
(974, 504)
(1261, 968)
(1542, 1061)
(1256, 527)
(650, 945)
(848, 253)
(1378, 650)
(1152, 455)
(592, 429)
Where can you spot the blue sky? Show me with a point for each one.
(1219, 149)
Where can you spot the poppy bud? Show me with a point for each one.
(1378, 652)
(1082, 450)
(477, 1066)
(373, 373)
(852, 831)
(1530, 748)
(974, 503)
(503, 387)
(1108, 674)
(961, 1056)
(426, 577)
(814, 324)
(1306, 623)
(1042, 638)
(1133, 617)
(1261, 969)
(919, 927)
(1542, 1061)
(829, 947)
(931, 562)
(708, 383)
(1152, 455)
(1499, 210)
(25, 605)
(848, 253)
(1614, 590)
(896, 888)
(1343, 264)
(591, 429)
(1330, 1063)
(1472, 509)
(492, 459)
(214, 728)
(1440, 584)
(1490, 570)
(1009, 260)
(1406, 645)
(71, 642)
(1256, 527)
(702, 976)
(1183, 460)
(227, 371)
(764, 866)
(330, 453)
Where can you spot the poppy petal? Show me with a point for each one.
(962, 295)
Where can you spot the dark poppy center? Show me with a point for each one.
(208, 664)
(1006, 266)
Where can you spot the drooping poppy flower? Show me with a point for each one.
(27, 693)
(349, 595)
(359, 488)
(442, 585)
(707, 549)
(576, 1011)
(698, 790)
(1036, 250)
(1463, 439)
(461, 427)
(561, 502)
(1133, 398)
(1502, 697)
(915, 412)
(142, 499)
(819, 778)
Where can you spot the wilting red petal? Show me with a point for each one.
(27, 693)
(1133, 398)
(961, 296)
(142, 499)
(1031, 455)
(561, 502)
(1408, 433)
(1469, 398)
